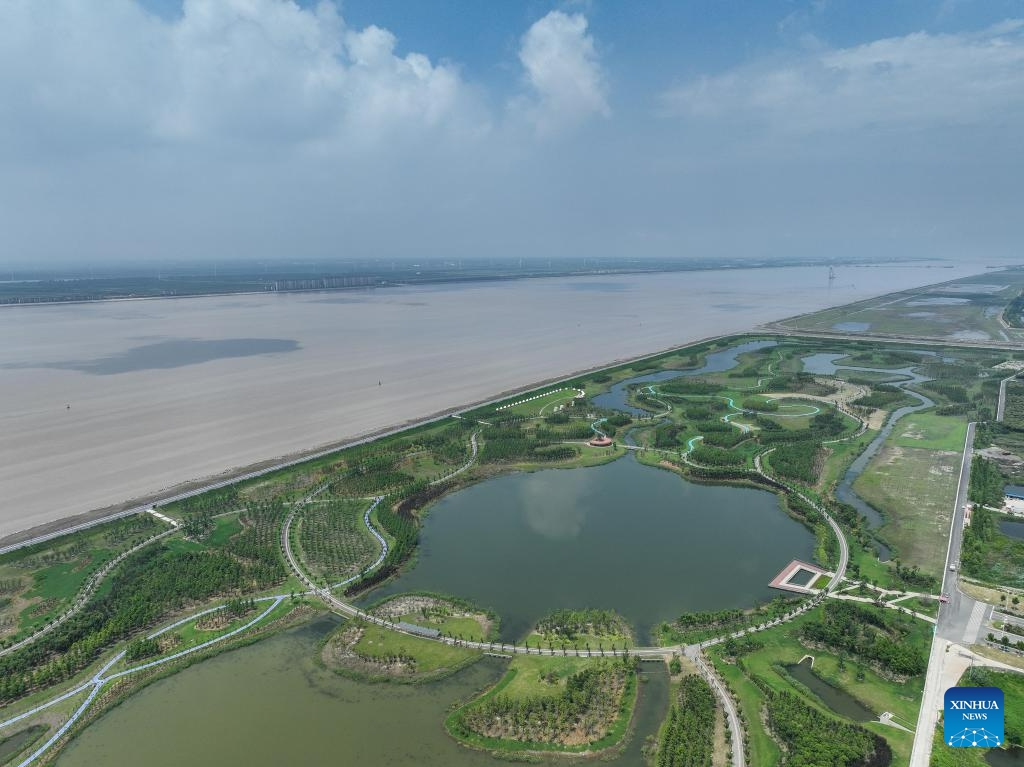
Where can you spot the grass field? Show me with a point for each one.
(40, 582)
(915, 489)
(380, 643)
(930, 431)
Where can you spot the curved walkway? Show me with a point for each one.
(86, 591)
(101, 678)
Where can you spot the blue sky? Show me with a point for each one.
(156, 129)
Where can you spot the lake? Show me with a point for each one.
(269, 705)
(624, 536)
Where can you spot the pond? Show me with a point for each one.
(1012, 757)
(270, 704)
(623, 536)
(1012, 528)
(835, 698)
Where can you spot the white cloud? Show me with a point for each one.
(565, 80)
(914, 82)
(224, 71)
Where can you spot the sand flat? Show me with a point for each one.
(168, 391)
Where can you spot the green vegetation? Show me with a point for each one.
(872, 634)
(758, 660)
(144, 588)
(16, 742)
(687, 739)
(1012, 686)
(990, 556)
(451, 616)
(698, 626)
(930, 431)
(560, 704)
(915, 489)
(1013, 412)
(814, 738)
(570, 624)
(420, 655)
(986, 484)
(335, 543)
(38, 583)
(800, 460)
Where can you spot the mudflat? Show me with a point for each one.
(108, 402)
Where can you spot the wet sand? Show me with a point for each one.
(165, 392)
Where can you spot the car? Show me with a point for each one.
(944, 598)
(952, 567)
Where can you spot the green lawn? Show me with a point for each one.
(464, 627)
(580, 642)
(930, 431)
(530, 672)
(915, 489)
(224, 528)
(379, 642)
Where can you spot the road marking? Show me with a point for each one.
(974, 624)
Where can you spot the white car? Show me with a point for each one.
(953, 567)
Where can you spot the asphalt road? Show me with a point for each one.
(960, 620)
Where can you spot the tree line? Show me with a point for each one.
(687, 739)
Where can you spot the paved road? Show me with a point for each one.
(1001, 407)
(729, 705)
(959, 622)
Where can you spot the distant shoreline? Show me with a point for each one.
(64, 291)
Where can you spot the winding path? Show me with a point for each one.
(85, 592)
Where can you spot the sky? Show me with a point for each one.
(155, 130)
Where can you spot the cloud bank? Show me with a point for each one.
(266, 129)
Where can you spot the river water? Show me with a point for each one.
(164, 391)
(270, 705)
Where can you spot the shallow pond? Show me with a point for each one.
(1011, 528)
(835, 698)
(623, 536)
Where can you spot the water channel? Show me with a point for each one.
(715, 362)
(835, 698)
(825, 364)
(271, 705)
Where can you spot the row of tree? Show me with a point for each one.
(688, 737)
(568, 624)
